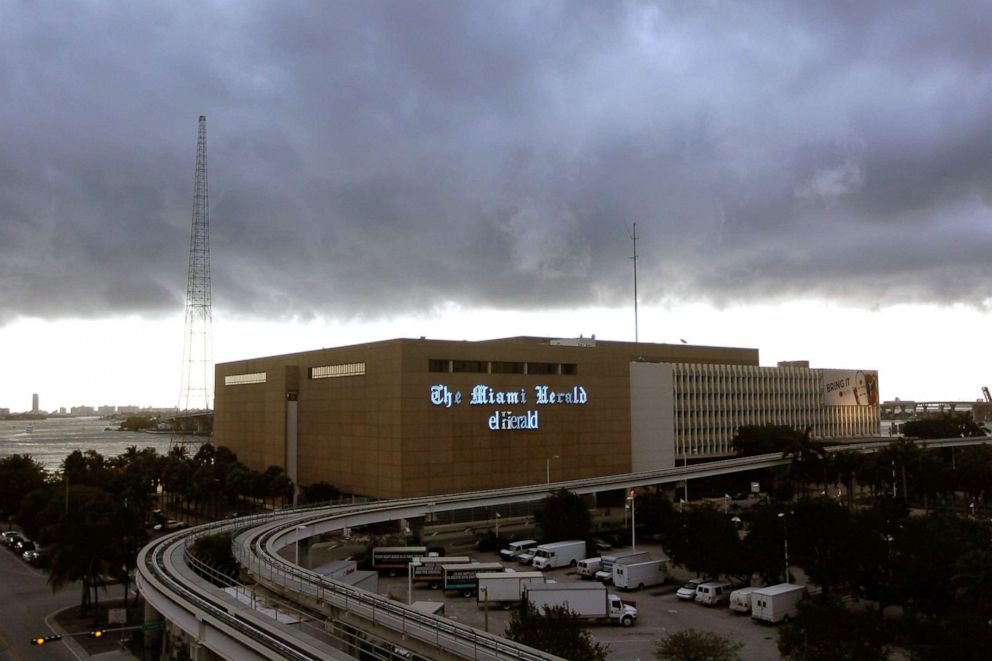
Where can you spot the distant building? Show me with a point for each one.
(405, 418)
(4, 412)
(127, 410)
(106, 410)
(34, 403)
(82, 410)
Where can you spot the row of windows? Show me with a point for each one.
(244, 379)
(336, 371)
(500, 367)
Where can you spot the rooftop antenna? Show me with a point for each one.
(633, 237)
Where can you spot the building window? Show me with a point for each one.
(473, 366)
(437, 365)
(244, 379)
(335, 371)
(502, 367)
(569, 369)
(542, 368)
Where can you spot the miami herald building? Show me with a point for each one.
(405, 417)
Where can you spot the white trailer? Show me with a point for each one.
(513, 549)
(740, 599)
(587, 568)
(605, 573)
(640, 575)
(559, 554)
(587, 600)
(464, 575)
(395, 559)
(505, 589)
(777, 603)
(430, 570)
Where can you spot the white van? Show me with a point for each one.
(713, 593)
(740, 600)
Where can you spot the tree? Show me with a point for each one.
(214, 551)
(705, 541)
(820, 541)
(692, 645)
(765, 439)
(951, 424)
(320, 492)
(556, 630)
(826, 630)
(563, 515)
(19, 475)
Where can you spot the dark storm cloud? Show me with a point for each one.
(368, 158)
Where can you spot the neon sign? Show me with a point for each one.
(483, 395)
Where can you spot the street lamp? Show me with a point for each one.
(497, 526)
(785, 530)
(299, 529)
(547, 467)
(633, 524)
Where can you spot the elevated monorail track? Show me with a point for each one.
(232, 629)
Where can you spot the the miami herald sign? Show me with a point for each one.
(506, 419)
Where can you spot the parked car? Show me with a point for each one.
(31, 557)
(12, 538)
(6, 536)
(24, 545)
(688, 591)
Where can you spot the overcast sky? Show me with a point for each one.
(373, 163)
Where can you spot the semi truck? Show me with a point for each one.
(395, 559)
(559, 554)
(428, 570)
(505, 589)
(777, 603)
(640, 575)
(589, 601)
(464, 576)
(513, 549)
(605, 573)
(587, 568)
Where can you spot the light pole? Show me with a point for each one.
(633, 523)
(299, 529)
(785, 530)
(497, 526)
(547, 467)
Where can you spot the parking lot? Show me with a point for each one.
(659, 613)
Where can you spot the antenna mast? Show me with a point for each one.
(197, 378)
(633, 236)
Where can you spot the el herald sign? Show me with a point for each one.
(483, 395)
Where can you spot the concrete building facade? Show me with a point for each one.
(410, 417)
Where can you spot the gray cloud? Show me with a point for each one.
(379, 157)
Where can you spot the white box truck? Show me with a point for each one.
(513, 549)
(587, 568)
(505, 589)
(605, 573)
(396, 559)
(777, 603)
(740, 599)
(559, 554)
(640, 575)
(429, 570)
(588, 600)
(464, 576)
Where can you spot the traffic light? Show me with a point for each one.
(41, 640)
(97, 633)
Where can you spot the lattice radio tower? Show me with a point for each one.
(197, 378)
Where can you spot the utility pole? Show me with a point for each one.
(196, 389)
(633, 237)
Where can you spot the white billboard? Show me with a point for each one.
(850, 388)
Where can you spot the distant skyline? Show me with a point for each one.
(813, 181)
